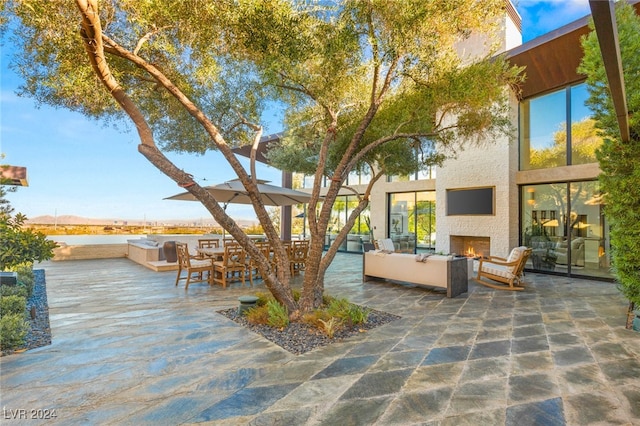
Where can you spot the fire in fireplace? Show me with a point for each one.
(470, 246)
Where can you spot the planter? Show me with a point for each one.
(170, 253)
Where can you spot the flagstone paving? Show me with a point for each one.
(131, 348)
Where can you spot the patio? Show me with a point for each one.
(131, 348)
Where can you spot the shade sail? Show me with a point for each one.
(233, 192)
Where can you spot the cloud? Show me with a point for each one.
(542, 16)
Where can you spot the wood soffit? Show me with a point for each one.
(552, 59)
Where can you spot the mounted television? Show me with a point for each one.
(471, 201)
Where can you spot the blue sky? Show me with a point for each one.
(78, 167)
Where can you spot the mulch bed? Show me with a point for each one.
(299, 337)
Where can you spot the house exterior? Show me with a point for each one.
(538, 188)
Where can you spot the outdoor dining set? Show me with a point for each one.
(221, 264)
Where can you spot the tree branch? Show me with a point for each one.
(146, 38)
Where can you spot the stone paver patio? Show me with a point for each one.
(131, 348)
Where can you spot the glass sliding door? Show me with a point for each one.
(589, 248)
(564, 225)
(412, 221)
(426, 221)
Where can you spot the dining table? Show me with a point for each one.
(215, 253)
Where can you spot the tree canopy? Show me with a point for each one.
(373, 84)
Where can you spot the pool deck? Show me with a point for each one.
(131, 348)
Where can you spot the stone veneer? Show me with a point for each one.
(89, 251)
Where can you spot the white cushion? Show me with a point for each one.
(499, 270)
(515, 254)
(386, 244)
(199, 263)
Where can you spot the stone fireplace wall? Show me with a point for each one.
(494, 164)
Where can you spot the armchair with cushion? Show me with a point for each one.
(577, 252)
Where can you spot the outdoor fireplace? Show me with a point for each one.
(470, 246)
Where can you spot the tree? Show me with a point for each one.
(584, 143)
(620, 177)
(374, 85)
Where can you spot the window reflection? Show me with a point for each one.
(584, 137)
(543, 130)
(564, 225)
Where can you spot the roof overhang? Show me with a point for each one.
(14, 175)
(551, 60)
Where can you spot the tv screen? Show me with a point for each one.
(473, 201)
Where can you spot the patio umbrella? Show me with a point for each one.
(234, 192)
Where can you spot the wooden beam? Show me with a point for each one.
(604, 18)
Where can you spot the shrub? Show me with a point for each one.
(347, 312)
(263, 298)
(330, 326)
(14, 290)
(358, 314)
(257, 315)
(12, 305)
(26, 276)
(13, 329)
(278, 315)
(21, 245)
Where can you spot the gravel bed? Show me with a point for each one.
(299, 338)
(39, 333)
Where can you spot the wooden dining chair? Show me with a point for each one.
(298, 253)
(252, 263)
(232, 262)
(206, 243)
(194, 267)
(209, 243)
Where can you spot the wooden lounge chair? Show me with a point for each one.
(505, 274)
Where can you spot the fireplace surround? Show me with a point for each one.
(470, 246)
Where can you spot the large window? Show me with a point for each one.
(564, 225)
(359, 234)
(412, 221)
(356, 177)
(428, 173)
(545, 138)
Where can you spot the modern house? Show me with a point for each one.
(538, 189)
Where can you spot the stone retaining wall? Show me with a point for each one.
(90, 251)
